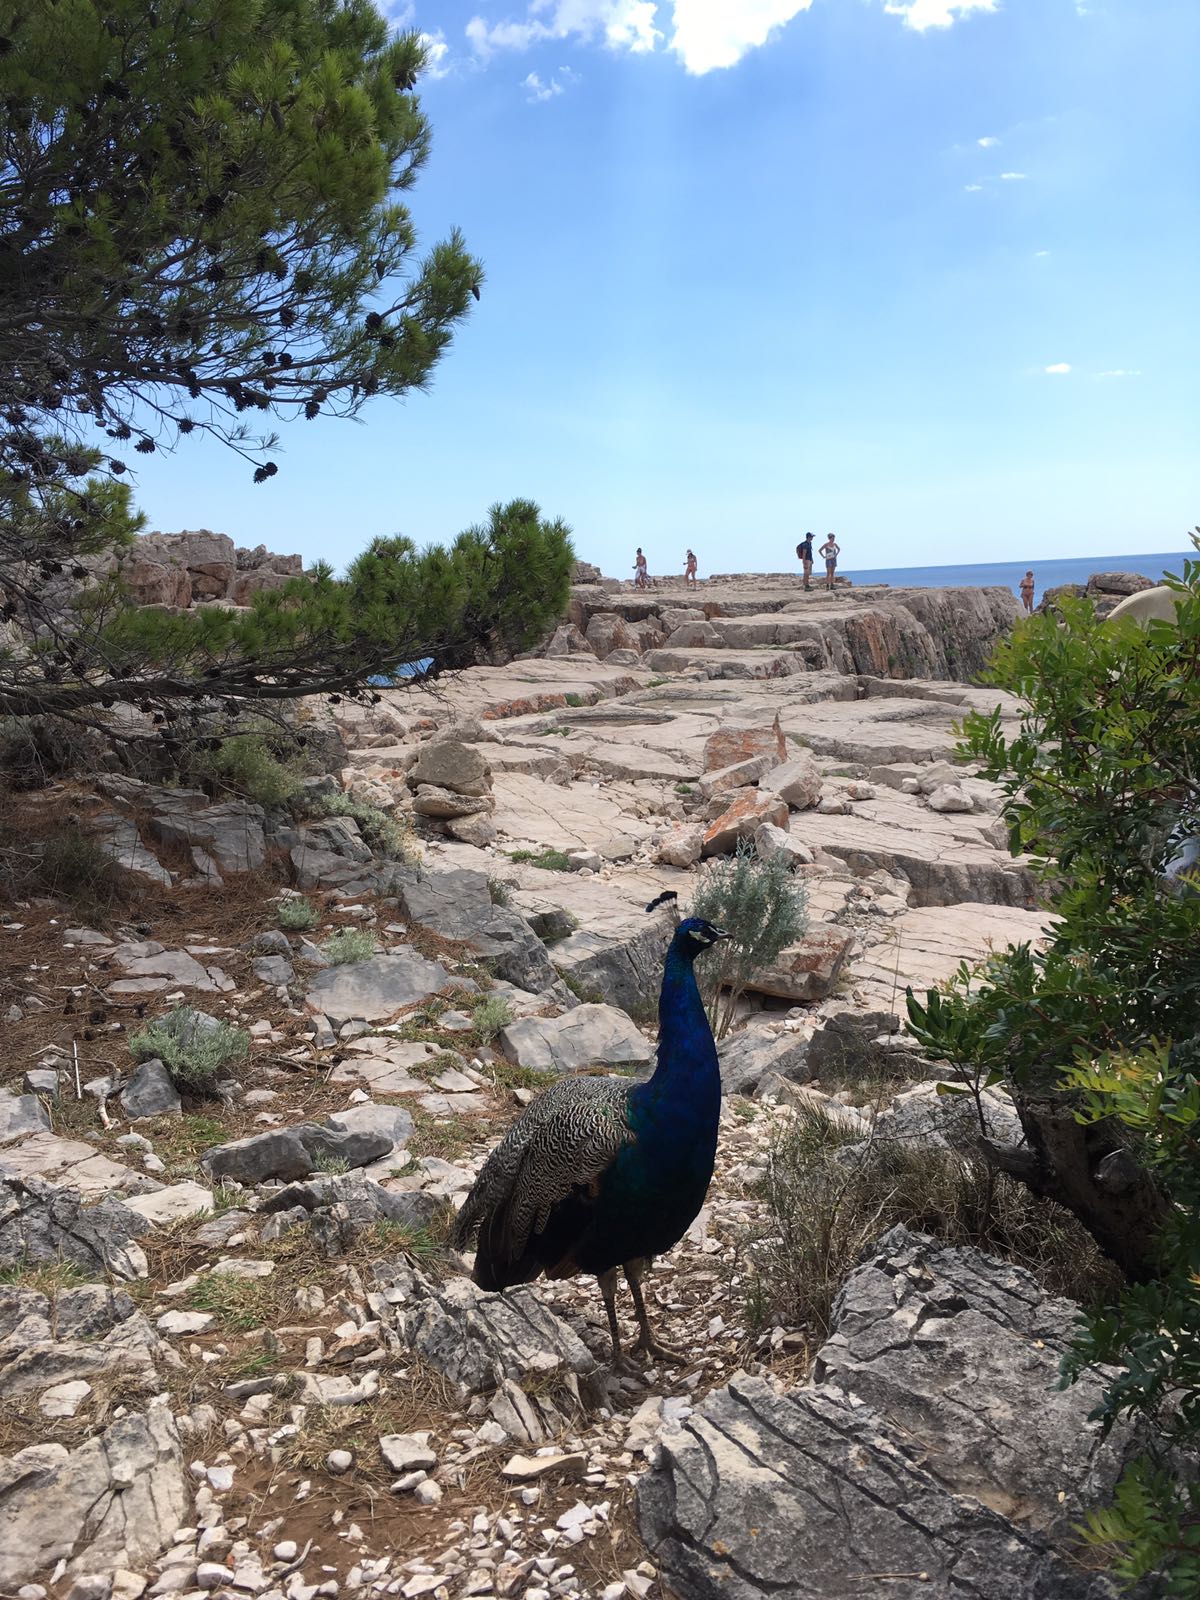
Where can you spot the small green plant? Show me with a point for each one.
(244, 764)
(763, 907)
(296, 914)
(498, 892)
(348, 945)
(573, 699)
(43, 1277)
(238, 1303)
(1153, 1523)
(75, 867)
(548, 860)
(331, 1165)
(192, 1047)
(388, 836)
(490, 1015)
(656, 683)
(684, 789)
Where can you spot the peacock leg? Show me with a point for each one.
(646, 1340)
(608, 1288)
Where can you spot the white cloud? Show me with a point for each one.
(399, 13)
(1058, 369)
(539, 91)
(988, 141)
(1121, 372)
(1038, 254)
(1013, 177)
(622, 24)
(923, 14)
(717, 33)
(973, 188)
(437, 54)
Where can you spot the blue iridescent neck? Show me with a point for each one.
(686, 1079)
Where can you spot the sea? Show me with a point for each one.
(1046, 574)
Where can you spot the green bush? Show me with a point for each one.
(194, 1049)
(498, 892)
(349, 945)
(828, 1203)
(296, 914)
(388, 836)
(490, 1015)
(763, 907)
(247, 766)
(1096, 1032)
(76, 868)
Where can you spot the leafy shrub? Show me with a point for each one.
(192, 1047)
(296, 914)
(763, 907)
(245, 764)
(1097, 1032)
(498, 892)
(348, 945)
(388, 836)
(828, 1203)
(489, 1016)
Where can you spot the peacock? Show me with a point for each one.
(598, 1173)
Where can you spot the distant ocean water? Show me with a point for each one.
(1047, 574)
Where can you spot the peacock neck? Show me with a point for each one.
(687, 1078)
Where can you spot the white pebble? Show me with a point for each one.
(339, 1461)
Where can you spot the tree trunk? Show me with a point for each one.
(1089, 1169)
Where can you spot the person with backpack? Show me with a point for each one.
(805, 556)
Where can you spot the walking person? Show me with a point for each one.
(689, 571)
(1026, 587)
(830, 550)
(641, 578)
(805, 556)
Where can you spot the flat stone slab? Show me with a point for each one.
(376, 989)
(925, 946)
(387, 1066)
(68, 1163)
(168, 1205)
(575, 816)
(589, 1035)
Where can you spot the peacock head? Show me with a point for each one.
(694, 935)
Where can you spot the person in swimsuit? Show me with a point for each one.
(1026, 587)
(805, 556)
(689, 573)
(641, 577)
(830, 550)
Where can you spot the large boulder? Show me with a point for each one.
(458, 905)
(293, 1153)
(742, 820)
(727, 746)
(747, 1057)
(208, 558)
(607, 632)
(797, 780)
(588, 1036)
(376, 989)
(808, 969)
(156, 583)
(449, 764)
(935, 1447)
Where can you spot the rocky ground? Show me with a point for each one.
(236, 1354)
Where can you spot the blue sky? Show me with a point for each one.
(916, 271)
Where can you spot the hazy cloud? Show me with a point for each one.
(1013, 177)
(621, 24)
(973, 188)
(1058, 369)
(923, 14)
(1039, 253)
(1121, 372)
(537, 91)
(988, 141)
(437, 54)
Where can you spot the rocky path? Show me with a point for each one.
(236, 1356)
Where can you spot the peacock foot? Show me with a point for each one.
(650, 1346)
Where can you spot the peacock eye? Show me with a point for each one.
(694, 933)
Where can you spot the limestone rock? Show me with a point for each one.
(113, 1502)
(731, 745)
(950, 797)
(431, 801)
(291, 1153)
(393, 1122)
(451, 764)
(478, 830)
(21, 1114)
(150, 1092)
(797, 780)
(808, 969)
(772, 841)
(739, 774)
(607, 632)
(694, 635)
(231, 832)
(458, 905)
(682, 846)
(376, 989)
(742, 820)
(39, 1222)
(589, 1035)
(923, 1116)
(746, 1058)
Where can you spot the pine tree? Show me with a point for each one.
(202, 229)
